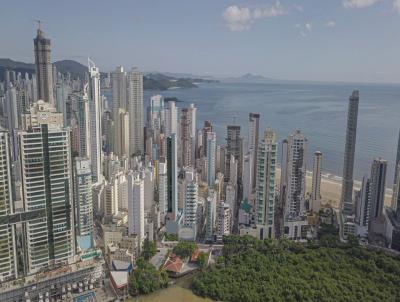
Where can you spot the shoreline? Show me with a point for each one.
(331, 187)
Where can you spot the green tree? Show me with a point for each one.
(149, 249)
(146, 278)
(202, 260)
(184, 249)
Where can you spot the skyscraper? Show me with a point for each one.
(96, 112)
(172, 177)
(316, 179)
(135, 108)
(44, 69)
(233, 146)
(8, 257)
(363, 207)
(206, 129)
(350, 147)
(83, 203)
(46, 169)
(136, 205)
(186, 137)
(191, 199)
(211, 158)
(378, 182)
(254, 129)
(396, 180)
(266, 180)
(162, 188)
(296, 173)
(171, 118)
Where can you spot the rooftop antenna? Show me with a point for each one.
(39, 23)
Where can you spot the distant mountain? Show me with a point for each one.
(151, 81)
(250, 78)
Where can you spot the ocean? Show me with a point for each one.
(319, 109)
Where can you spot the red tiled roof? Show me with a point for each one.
(174, 264)
(195, 255)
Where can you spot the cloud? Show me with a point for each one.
(236, 18)
(304, 29)
(240, 18)
(330, 24)
(396, 5)
(359, 3)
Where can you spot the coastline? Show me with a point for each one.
(331, 187)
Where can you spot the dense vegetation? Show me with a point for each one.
(184, 249)
(149, 249)
(146, 278)
(254, 270)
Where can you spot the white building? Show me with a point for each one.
(136, 205)
(191, 198)
(211, 157)
(162, 189)
(96, 112)
(83, 203)
(171, 116)
(211, 210)
(224, 221)
(46, 170)
(8, 257)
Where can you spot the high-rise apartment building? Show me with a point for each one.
(211, 157)
(44, 69)
(396, 181)
(266, 181)
(233, 146)
(120, 111)
(316, 179)
(296, 174)
(171, 118)
(172, 177)
(83, 203)
(363, 207)
(191, 199)
(254, 129)
(350, 147)
(186, 137)
(378, 182)
(46, 169)
(96, 113)
(136, 205)
(8, 253)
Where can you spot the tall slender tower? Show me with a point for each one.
(396, 179)
(136, 205)
(316, 178)
(135, 108)
(350, 147)
(44, 69)
(378, 182)
(8, 259)
(186, 138)
(172, 177)
(266, 175)
(96, 112)
(83, 203)
(233, 146)
(254, 129)
(296, 173)
(211, 157)
(120, 111)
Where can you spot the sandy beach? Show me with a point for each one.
(331, 188)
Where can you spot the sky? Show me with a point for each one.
(323, 40)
